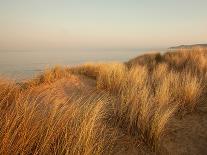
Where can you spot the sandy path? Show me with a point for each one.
(188, 135)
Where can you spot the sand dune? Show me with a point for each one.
(152, 104)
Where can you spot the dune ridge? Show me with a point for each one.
(142, 106)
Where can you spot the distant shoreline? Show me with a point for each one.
(188, 46)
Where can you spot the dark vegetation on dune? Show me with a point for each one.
(126, 109)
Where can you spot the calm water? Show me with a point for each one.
(24, 64)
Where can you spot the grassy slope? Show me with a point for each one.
(110, 108)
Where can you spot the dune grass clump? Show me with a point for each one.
(193, 60)
(48, 76)
(149, 97)
(150, 60)
(42, 125)
(111, 77)
(8, 94)
(137, 109)
(182, 88)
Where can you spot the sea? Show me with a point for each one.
(25, 64)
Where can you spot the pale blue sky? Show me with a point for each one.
(82, 24)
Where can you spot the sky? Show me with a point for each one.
(101, 24)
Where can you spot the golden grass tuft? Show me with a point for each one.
(41, 125)
(111, 76)
(137, 109)
(193, 60)
(49, 76)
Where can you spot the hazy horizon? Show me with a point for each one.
(128, 24)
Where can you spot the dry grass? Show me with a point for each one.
(44, 125)
(89, 69)
(111, 77)
(49, 76)
(138, 109)
(194, 60)
(137, 100)
(149, 97)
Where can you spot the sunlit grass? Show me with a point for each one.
(135, 100)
